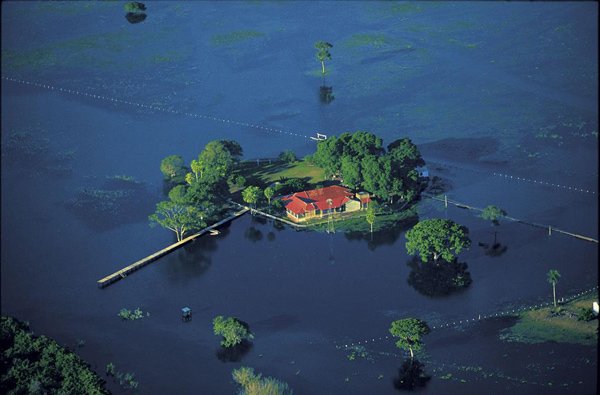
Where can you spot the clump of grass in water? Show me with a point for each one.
(129, 315)
(235, 37)
(362, 40)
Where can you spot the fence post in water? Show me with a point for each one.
(446, 201)
(549, 230)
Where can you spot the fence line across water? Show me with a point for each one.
(480, 317)
(511, 177)
(268, 129)
(549, 227)
(155, 108)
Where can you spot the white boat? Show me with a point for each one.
(320, 137)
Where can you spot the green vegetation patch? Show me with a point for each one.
(364, 40)
(39, 365)
(264, 173)
(235, 37)
(561, 325)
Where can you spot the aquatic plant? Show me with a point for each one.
(130, 315)
(254, 384)
(235, 37)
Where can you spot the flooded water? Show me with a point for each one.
(483, 88)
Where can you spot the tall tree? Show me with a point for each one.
(437, 238)
(371, 217)
(217, 160)
(323, 53)
(269, 192)
(197, 167)
(234, 148)
(553, 276)
(251, 194)
(177, 217)
(409, 332)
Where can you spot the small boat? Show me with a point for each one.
(320, 137)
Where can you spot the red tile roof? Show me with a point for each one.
(306, 201)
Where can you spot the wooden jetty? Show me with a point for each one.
(106, 281)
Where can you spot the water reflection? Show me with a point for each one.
(135, 17)
(411, 376)
(253, 234)
(234, 354)
(194, 259)
(326, 94)
(440, 279)
(494, 249)
(387, 236)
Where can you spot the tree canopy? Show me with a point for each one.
(251, 194)
(173, 168)
(269, 192)
(38, 365)
(435, 238)
(409, 332)
(493, 213)
(179, 218)
(323, 53)
(232, 330)
(361, 161)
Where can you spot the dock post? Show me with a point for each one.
(549, 230)
(446, 201)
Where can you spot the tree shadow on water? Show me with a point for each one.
(494, 249)
(411, 376)
(386, 236)
(234, 354)
(436, 280)
(135, 17)
(253, 234)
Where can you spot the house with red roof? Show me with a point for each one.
(317, 203)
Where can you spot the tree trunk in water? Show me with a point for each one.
(554, 293)
(323, 67)
(435, 257)
(411, 353)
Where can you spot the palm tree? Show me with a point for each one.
(553, 276)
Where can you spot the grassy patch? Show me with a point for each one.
(265, 173)
(364, 40)
(235, 37)
(356, 222)
(559, 325)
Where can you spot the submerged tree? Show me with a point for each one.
(553, 276)
(323, 53)
(179, 218)
(254, 384)
(233, 331)
(409, 332)
(437, 238)
(493, 213)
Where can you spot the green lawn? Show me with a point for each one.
(266, 173)
(545, 324)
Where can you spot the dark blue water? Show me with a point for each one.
(513, 73)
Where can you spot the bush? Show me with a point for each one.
(288, 156)
(254, 384)
(585, 314)
(233, 330)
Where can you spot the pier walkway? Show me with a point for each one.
(106, 281)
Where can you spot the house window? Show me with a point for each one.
(317, 212)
